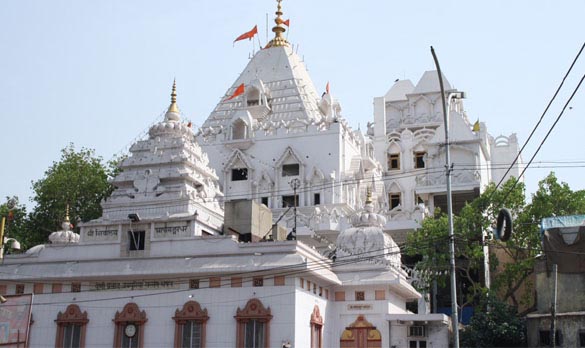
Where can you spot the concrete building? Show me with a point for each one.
(408, 135)
(564, 246)
(158, 269)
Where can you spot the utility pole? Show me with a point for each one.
(295, 184)
(553, 307)
(446, 102)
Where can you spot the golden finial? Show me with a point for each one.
(67, 213)
(369, 195)
(173, 107)
(278, 29)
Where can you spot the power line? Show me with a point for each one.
(547, 134)
(541, 118)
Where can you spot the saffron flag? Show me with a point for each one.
(327, 87)
(248, 35)
(239, 91)
(287, 22)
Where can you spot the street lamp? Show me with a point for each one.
(448, 169)
(295, 184)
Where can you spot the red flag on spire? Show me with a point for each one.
(287, 22)
(248, 35)
(239, 91)
(327, 87)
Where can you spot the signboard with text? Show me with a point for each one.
(15, 316)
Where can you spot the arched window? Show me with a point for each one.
(316, 328)
(253, 96)
(190, 326)
(71, 327)
(253, 329)
(239, 129)
(130, 327)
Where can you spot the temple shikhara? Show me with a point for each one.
(274, 224)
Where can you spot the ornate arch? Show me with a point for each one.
(254, 311)
(71, 316)
(191, 311)
(130, 314)
(360, 334)
(316, 328)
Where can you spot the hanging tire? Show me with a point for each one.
(504, 225)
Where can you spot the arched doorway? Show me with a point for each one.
(360, 334)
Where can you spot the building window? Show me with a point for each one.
(278, 280)
(129, 327)
(316, 199)
(394, 200)
(190, 326)
(75, 287)
(326, 294)
(38, 288)
(340, 296)
(193, 283)
(545, 339)
(239, 174)
(239, 129)
(236, 282)
(316, 328)
(289, 201)
(417, 344)
(393, 161)
(258, 281)
(136, 240)
(302, 283)
(264, 200)
(419, 159)
(253, 328)
(380, 295)
(360, 296)
(581, 338)
(56, 288)
(417, 331)
(19, 289)
(71, 327)
(290, 169)
(214, 282)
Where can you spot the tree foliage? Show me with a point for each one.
(78, 180)
(513, 259)
(16, 221)
(495, 325)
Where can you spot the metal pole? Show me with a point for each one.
(454, 314)
(295, 183)
(553, 307)
(2, 224)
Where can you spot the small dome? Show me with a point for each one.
(366, 240)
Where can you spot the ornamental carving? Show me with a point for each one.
(72, 315)
(254, 309)
(130, 313)
(191, 311)
(316, 317)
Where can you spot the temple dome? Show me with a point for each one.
(366, 240)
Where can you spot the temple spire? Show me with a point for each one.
(278, 29)
(369, 195)
(173, 111)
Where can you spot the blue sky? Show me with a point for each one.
(98, 73)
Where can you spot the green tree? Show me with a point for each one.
(16, 221)
(78, 180)
(431, 240)
(495, 325)
(552, 198)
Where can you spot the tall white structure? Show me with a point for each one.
(408, 135)
(280, 129)
(156, 271)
